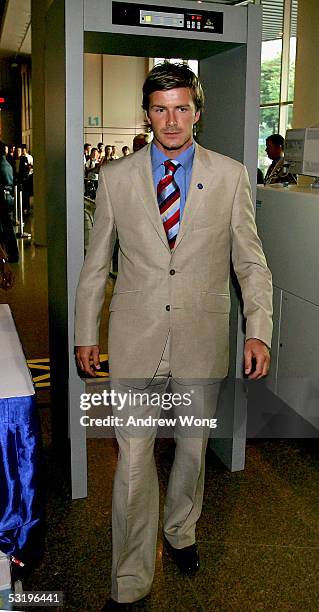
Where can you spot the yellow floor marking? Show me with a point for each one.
(43, 360)
(43, 380)
(41, 377)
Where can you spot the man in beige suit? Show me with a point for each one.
(181, 213)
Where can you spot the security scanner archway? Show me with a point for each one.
(226, 40)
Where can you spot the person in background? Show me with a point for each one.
(92, 166)
(275, 151)
(17, 155)
(91, 174)
(6, 173)
(140, 141)
(108, 154)
(114, 152)
(7, 234)
(28, 155)
(23, 179)
(101, 151)
(10, 156)
(125, 151)
(30, 162)
(86, 152)
(278, 171)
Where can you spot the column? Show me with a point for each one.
(38, 13)
(306, 103)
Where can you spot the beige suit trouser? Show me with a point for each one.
(135, 505)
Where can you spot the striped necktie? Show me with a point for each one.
(168, 197)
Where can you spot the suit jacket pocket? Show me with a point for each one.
(216, 302)
(125, 300)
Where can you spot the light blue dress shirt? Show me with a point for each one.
(182, 175)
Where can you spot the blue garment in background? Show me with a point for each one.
(21, 503)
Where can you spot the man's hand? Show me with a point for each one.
(88, 358)
(257, 350)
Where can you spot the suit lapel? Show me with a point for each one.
(142, 179)
(202, 176)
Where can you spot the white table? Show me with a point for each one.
(20, 446)
(15, 378)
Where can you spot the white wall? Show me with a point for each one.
(113, 98)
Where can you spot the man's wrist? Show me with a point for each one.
(258, 340)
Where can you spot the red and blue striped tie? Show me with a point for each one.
(169, 198)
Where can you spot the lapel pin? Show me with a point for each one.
(200, 186)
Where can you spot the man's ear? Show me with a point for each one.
(147, 117)
(197, 116)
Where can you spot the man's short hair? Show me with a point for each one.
(2, 148)
(167, 76)
(277, 140)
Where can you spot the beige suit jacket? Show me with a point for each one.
(185, 292)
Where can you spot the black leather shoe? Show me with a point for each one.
(186, 559)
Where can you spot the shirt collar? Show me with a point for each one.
(185, 158)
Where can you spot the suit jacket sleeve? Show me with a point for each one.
(250, 265)
(91, 288)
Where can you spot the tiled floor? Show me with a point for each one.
(258, 535)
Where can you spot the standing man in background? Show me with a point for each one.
(275, 151)
(86, 152)
(180, 213)
(125, 150)
(7, 234)
(278, 171)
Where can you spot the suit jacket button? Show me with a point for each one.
(172, 272)
(167, 307)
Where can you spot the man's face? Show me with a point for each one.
(273, 151)
(172, 115)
